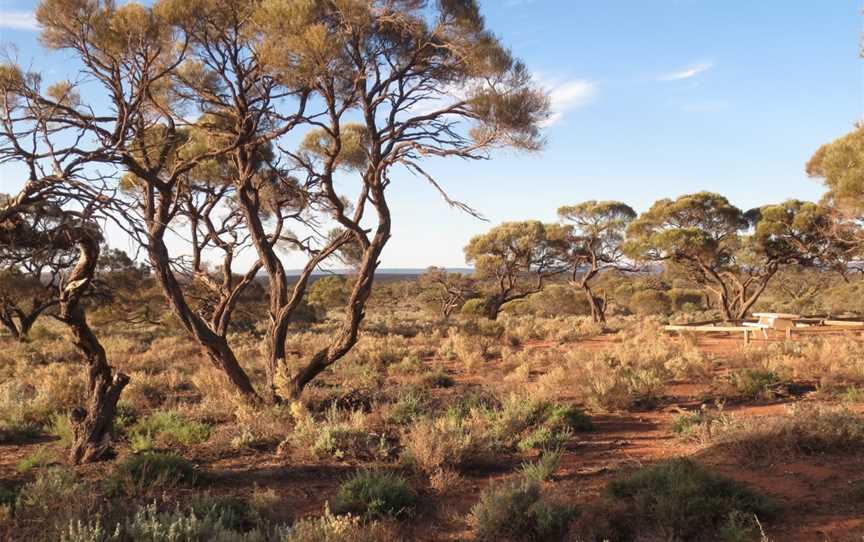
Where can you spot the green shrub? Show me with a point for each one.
(542, 469)
(515, 511)
(150, 525)
(42, 457)
(375, 494)
(167, 429)
(408, 408)
(149, 472)
(681, 499)
(754, 383)
(61, 427)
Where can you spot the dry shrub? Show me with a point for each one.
(452, 441)
(164, 353)
(472, 350)
(632, 373)
(338, 434)
(33, 394)
(833, 362)
(218, 397)
(806, 430)
(257, 427)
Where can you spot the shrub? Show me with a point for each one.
(409, 407)
(149, 472)
(454, 440)
(754, 383)
(341, 434)
(167, 429)
(805, 431)
(332, 528)
(149, 524)
(680, 499)
(514, 511)
(51, 500)
(651, 302)
(542, 469)
(375, 494)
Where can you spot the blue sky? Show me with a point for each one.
(653, 98)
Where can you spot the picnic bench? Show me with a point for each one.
(779, 321)
(774, 320)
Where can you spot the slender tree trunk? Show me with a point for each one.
(355, 309)
(215, 345)
(90, 424)
(598, 308)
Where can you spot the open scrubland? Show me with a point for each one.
(526, 428)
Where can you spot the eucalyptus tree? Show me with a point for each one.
(516, 258)
(400, 82)
(840, 166)
(446, 292)
(54, 217)
(594, 235)
(201, 96)
(733, 255)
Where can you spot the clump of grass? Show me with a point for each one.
(375, 494)
(701, 425)
(542, 469)
(408, 408)
(167, 429)
(42, 457)
(681, 500)
(148, 523)
(150, 472)
(340, 434)
(754, 383)
(514, 510)
(805, 431)
(333, 528)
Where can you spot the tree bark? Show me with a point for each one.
(598, 308)
(215, 345)
(91, 424)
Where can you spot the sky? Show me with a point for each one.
(650, 99)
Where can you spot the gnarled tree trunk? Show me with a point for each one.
(91, 424)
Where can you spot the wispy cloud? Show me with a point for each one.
(11, 19)
(687, 73)
(568, 95)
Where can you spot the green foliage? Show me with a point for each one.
(542, 469)
(373, 494)
(651, 302)
(149, 524)
(328, 292)
(514, 510)
(167, 429)
(680, 498)
(150, 472)
(839, 164)
(754, 383)
(42, 457)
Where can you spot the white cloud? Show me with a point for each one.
(17, 20)
(567, 96)
(688, 73)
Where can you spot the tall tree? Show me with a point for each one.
(400, 82)
(516, 258)
(732, 254)
(196, 83)
(593, 235)
(840, 166)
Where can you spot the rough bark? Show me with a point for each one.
(91, 424)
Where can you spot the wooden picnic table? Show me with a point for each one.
(774, 320)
